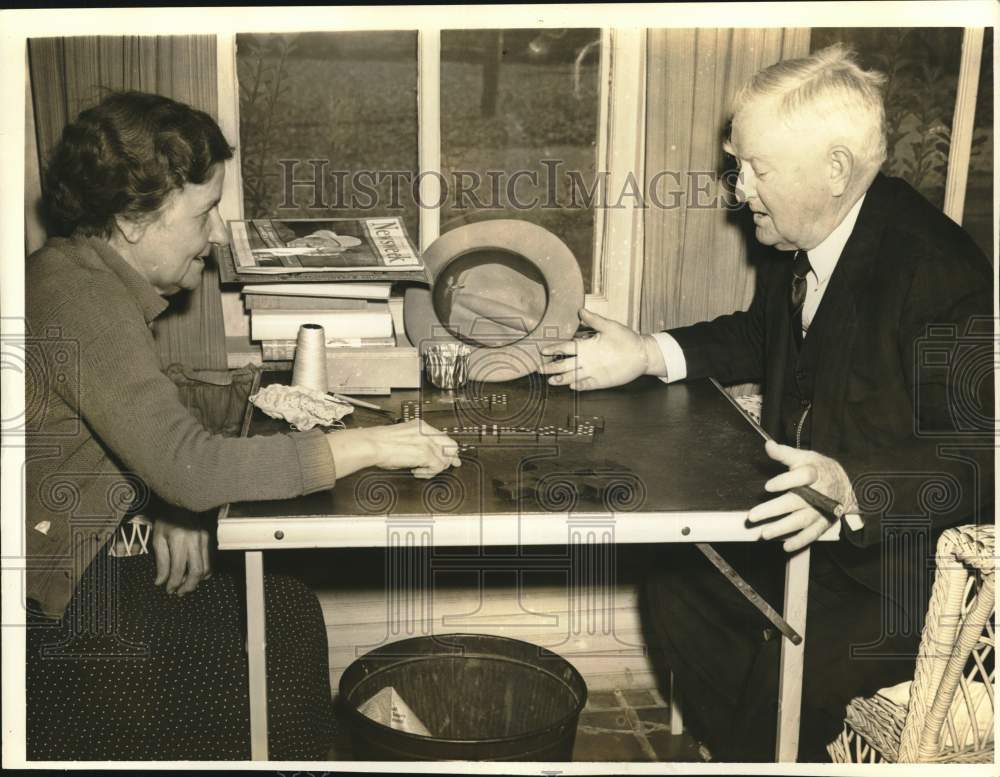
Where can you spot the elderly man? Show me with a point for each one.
(860, 274)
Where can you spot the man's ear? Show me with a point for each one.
(841, 164)
(131, 229)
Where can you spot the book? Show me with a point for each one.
(333, 246)
(337, 290)
(284, 324)
(368, 369)
(285, 302)
(372, 370)
(284, 350)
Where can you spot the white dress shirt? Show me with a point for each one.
(823, 259)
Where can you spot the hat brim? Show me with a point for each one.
(543, 250)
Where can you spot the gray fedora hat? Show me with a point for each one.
(505, 287)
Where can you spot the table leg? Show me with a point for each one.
(257, 654)
(790, 682)
(676, 717)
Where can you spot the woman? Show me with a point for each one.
(117, 667)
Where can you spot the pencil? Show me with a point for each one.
(355, 402)
(362, 404)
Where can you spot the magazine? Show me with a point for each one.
(281, 246)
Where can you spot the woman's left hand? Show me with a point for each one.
(181, 549)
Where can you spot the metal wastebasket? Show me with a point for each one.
(482, 697)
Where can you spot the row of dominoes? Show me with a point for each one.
(494, 433)
(416, 408)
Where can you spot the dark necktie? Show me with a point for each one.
(800, 269)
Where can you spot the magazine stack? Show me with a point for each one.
(337, 273)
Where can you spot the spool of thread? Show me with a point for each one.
(310, 358)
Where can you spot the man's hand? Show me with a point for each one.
(615, 355)
(804, 523)
(181, 550)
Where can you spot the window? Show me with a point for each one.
(328, 124)
(519, 130)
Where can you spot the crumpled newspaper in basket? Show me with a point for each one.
(388, 708)
(303, 408)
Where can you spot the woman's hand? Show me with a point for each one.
(182, 551)
(415, 445)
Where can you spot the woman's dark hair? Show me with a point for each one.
(124, 156)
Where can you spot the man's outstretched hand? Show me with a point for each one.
(613, 356)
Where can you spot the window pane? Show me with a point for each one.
(519, 116)
(922, 67)
(978, 215)
(346, 100)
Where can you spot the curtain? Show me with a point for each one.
(697, 264)
(34, 229)
(69, 74)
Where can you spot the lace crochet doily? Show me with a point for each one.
(303, 408)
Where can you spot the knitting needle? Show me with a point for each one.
(361, 403)
(809, 495)
(355, 402)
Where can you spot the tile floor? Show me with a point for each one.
(631, 725)
(626, 726)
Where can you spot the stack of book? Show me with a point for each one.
(351, 314)
(365, 351)
(326, 270)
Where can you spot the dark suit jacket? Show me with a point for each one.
(903, 388)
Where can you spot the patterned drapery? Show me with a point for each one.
(696, 251)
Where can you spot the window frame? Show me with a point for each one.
(618, 232)
(618, 236)
(963, 123)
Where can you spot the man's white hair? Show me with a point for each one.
(830, 88)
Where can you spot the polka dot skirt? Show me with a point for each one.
(133, 673)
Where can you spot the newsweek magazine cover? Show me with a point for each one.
(336, 246)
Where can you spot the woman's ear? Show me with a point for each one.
(130, 229)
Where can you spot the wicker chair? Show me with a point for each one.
(946, 713)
